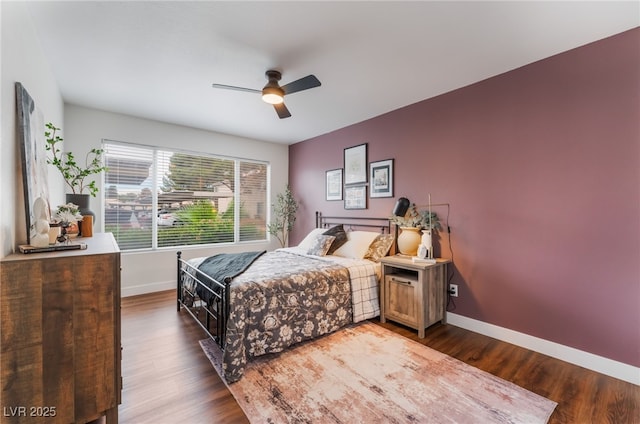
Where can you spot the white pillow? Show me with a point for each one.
(357, 244)
(310, 239)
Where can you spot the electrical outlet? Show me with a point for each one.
(453, 290)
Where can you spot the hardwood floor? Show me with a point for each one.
(166, 376)
(168, 379)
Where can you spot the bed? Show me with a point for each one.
(255, 303)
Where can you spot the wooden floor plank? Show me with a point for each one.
(168, 379)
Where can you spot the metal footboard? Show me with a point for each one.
(212, 315)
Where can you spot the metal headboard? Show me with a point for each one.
(349, 222)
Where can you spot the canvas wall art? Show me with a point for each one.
(34, 159)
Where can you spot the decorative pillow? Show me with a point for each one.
(311, 238)
(340, 237)
(357, 244)
(380, 247)
(321, 245)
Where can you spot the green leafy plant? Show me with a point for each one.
(413, 218)
(201, 212)
(284, 212)
(73, 174)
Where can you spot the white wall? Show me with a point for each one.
(22, 61)
(145, 272)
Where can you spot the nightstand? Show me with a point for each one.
(413, 294)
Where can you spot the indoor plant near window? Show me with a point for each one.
(75, 175)
(410, 225)
(284, 212)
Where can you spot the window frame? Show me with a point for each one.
(155, 175)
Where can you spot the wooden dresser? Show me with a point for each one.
(60, 340)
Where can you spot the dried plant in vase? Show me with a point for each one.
(415, 219)
(411, 224)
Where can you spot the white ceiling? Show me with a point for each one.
(158, 59)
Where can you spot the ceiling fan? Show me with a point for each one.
(273, 93)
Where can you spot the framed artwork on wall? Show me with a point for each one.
(334, 184)
(34, 159)
(355, 197)
(355, 164)
(381, 178)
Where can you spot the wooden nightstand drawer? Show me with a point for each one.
(400, 299)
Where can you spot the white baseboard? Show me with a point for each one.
(127, 291)
(587, 360)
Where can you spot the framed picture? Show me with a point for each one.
(34, 160)
(381, 178)
(355, 197)
(355, 164)
(334, 184)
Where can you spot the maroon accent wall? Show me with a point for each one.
(541, 167)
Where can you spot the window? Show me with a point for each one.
(165, 198)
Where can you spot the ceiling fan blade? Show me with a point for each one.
(310, 81)
(282, 111)
(233, 87)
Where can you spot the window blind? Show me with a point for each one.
(157, 198)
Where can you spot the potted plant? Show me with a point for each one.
(410, 225)
(415, 219)
(67, 217)
(284, 212)
(74, 174)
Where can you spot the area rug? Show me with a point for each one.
(368, 374)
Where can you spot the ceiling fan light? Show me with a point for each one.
(273, 95)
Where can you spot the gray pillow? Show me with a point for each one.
(340, 235)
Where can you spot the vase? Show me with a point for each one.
(409, 240)
(427, 242)
(82, 201)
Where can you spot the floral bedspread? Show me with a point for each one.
(283, 299)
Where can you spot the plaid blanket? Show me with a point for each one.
(364, 286)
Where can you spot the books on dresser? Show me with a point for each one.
(26, 248)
